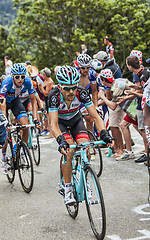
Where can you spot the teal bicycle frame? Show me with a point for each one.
(82, 153)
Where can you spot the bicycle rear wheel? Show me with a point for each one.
(10, 163)
(95, 203)
(72, 209)
(35, 146)
(25, 168)
(96, 156)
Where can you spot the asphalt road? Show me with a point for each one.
(42, 213)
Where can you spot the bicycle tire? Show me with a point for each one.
(25, 168)
(94, 203)
(71, 209)
(10, 163)
(97, 163)
(35, 146)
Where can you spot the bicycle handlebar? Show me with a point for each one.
(85, 144)
(22, 126)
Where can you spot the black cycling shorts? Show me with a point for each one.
(74, 126)
(17, 108)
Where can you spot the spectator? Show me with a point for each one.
(45, 89)
(109, 47)
(116, 71)
(8, 65)
(117, 86)
(109, 63)
(139, 123)
(56, 69)
(27, 63)
(84, 49)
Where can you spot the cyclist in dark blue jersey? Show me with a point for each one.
(11, 87)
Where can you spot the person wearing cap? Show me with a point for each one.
(141, 88)
(56, 69)
(109, 47)
(27, 63)
(45, 89)
(116, 114)
(139, 123)
(102, 56)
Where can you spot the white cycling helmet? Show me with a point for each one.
(84, 60)
(96, 65)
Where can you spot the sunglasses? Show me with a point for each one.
(19, 76)
(85, 67)
(69, 88)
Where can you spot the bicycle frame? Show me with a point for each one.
(79, 186)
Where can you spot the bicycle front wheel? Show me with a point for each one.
(71, 209)
(25, 168)
(96, 156)
(35, 146)
(94, 203)
(10, 163)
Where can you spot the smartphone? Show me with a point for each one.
(1, 100)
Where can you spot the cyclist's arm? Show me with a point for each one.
(54, 124)
(96, 118)
(34, 105)
(55, 127)
(94, 95)
(40, 103)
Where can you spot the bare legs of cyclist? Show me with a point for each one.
(67, 172)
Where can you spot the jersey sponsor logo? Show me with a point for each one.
(83, 94)
(54, 101)
(4, 89)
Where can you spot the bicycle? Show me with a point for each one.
(95, 152)
(33, 141)
(19, 158)
(87, 182)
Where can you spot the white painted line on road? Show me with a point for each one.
(140, 208)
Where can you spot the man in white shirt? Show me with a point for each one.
(8, 65)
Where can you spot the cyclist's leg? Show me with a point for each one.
(19, 112)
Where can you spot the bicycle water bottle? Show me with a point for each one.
(14, 149)
(78, 173)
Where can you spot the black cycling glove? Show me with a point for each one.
(36, 122)
(106, 137)
(62, 143)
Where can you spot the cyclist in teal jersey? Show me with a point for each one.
(66, 120)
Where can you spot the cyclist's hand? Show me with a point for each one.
(44, 111)
(107, 138)
(63, 147)
(37, 123)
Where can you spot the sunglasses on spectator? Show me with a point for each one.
(19, 76)
(69, 88)
(85, 67)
